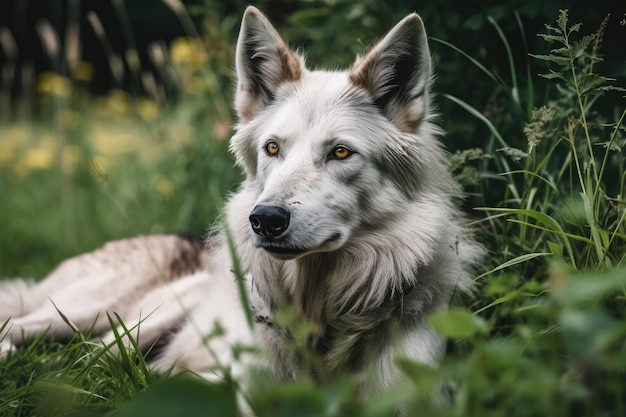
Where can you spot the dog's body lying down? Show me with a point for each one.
(346, 218)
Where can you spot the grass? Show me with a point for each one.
(544, 333)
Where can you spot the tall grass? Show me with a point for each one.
(542, 335)
(554, 298)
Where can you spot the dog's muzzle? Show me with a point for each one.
(269, 221)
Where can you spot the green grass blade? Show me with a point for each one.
(515, 88)
(500, 300)
(530, 89)
(241, 279)
(470, 109)
(571, 236)
(550, 184)
(512, 262)
(552, 225)
(471, 59)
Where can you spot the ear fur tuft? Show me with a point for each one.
(396, 73)
(263, 63)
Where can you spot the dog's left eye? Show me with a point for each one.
(272, 148)
(340, 152)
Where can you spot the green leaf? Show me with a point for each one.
(556, 249)
(562, 20)
(552, 58)
(298, 399)
(182, 397)
(552, 38)
(554, 76)
(457, 323)
(587, 333)
(591, 286)
(423, 376)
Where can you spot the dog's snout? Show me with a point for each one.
(269, 221)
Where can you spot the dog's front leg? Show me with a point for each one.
(161, 311)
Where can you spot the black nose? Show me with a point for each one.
(269, 221)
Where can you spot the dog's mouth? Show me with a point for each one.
(282, 250)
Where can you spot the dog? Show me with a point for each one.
(347, 218)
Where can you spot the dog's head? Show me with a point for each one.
(332, 154)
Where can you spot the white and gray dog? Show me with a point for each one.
(346, 218)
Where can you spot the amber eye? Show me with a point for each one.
(272, 148)
(341, 152)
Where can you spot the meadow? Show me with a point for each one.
(540, 151)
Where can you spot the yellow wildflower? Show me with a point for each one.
(37, 159)
(40, 157)
(164, 187)
(147, 109)
(184, 52)
(181, 51)
(111, 143)
(54, 84)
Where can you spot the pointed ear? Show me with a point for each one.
(396, 72)
(263, 63)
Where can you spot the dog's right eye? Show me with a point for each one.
(271, 148)
(340, 153)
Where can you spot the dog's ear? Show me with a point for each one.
(396, 72)
(263, 63)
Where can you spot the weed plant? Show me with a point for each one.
(544, 332)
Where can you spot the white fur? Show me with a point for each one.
(374, 242)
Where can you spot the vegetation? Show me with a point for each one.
(543, 162)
